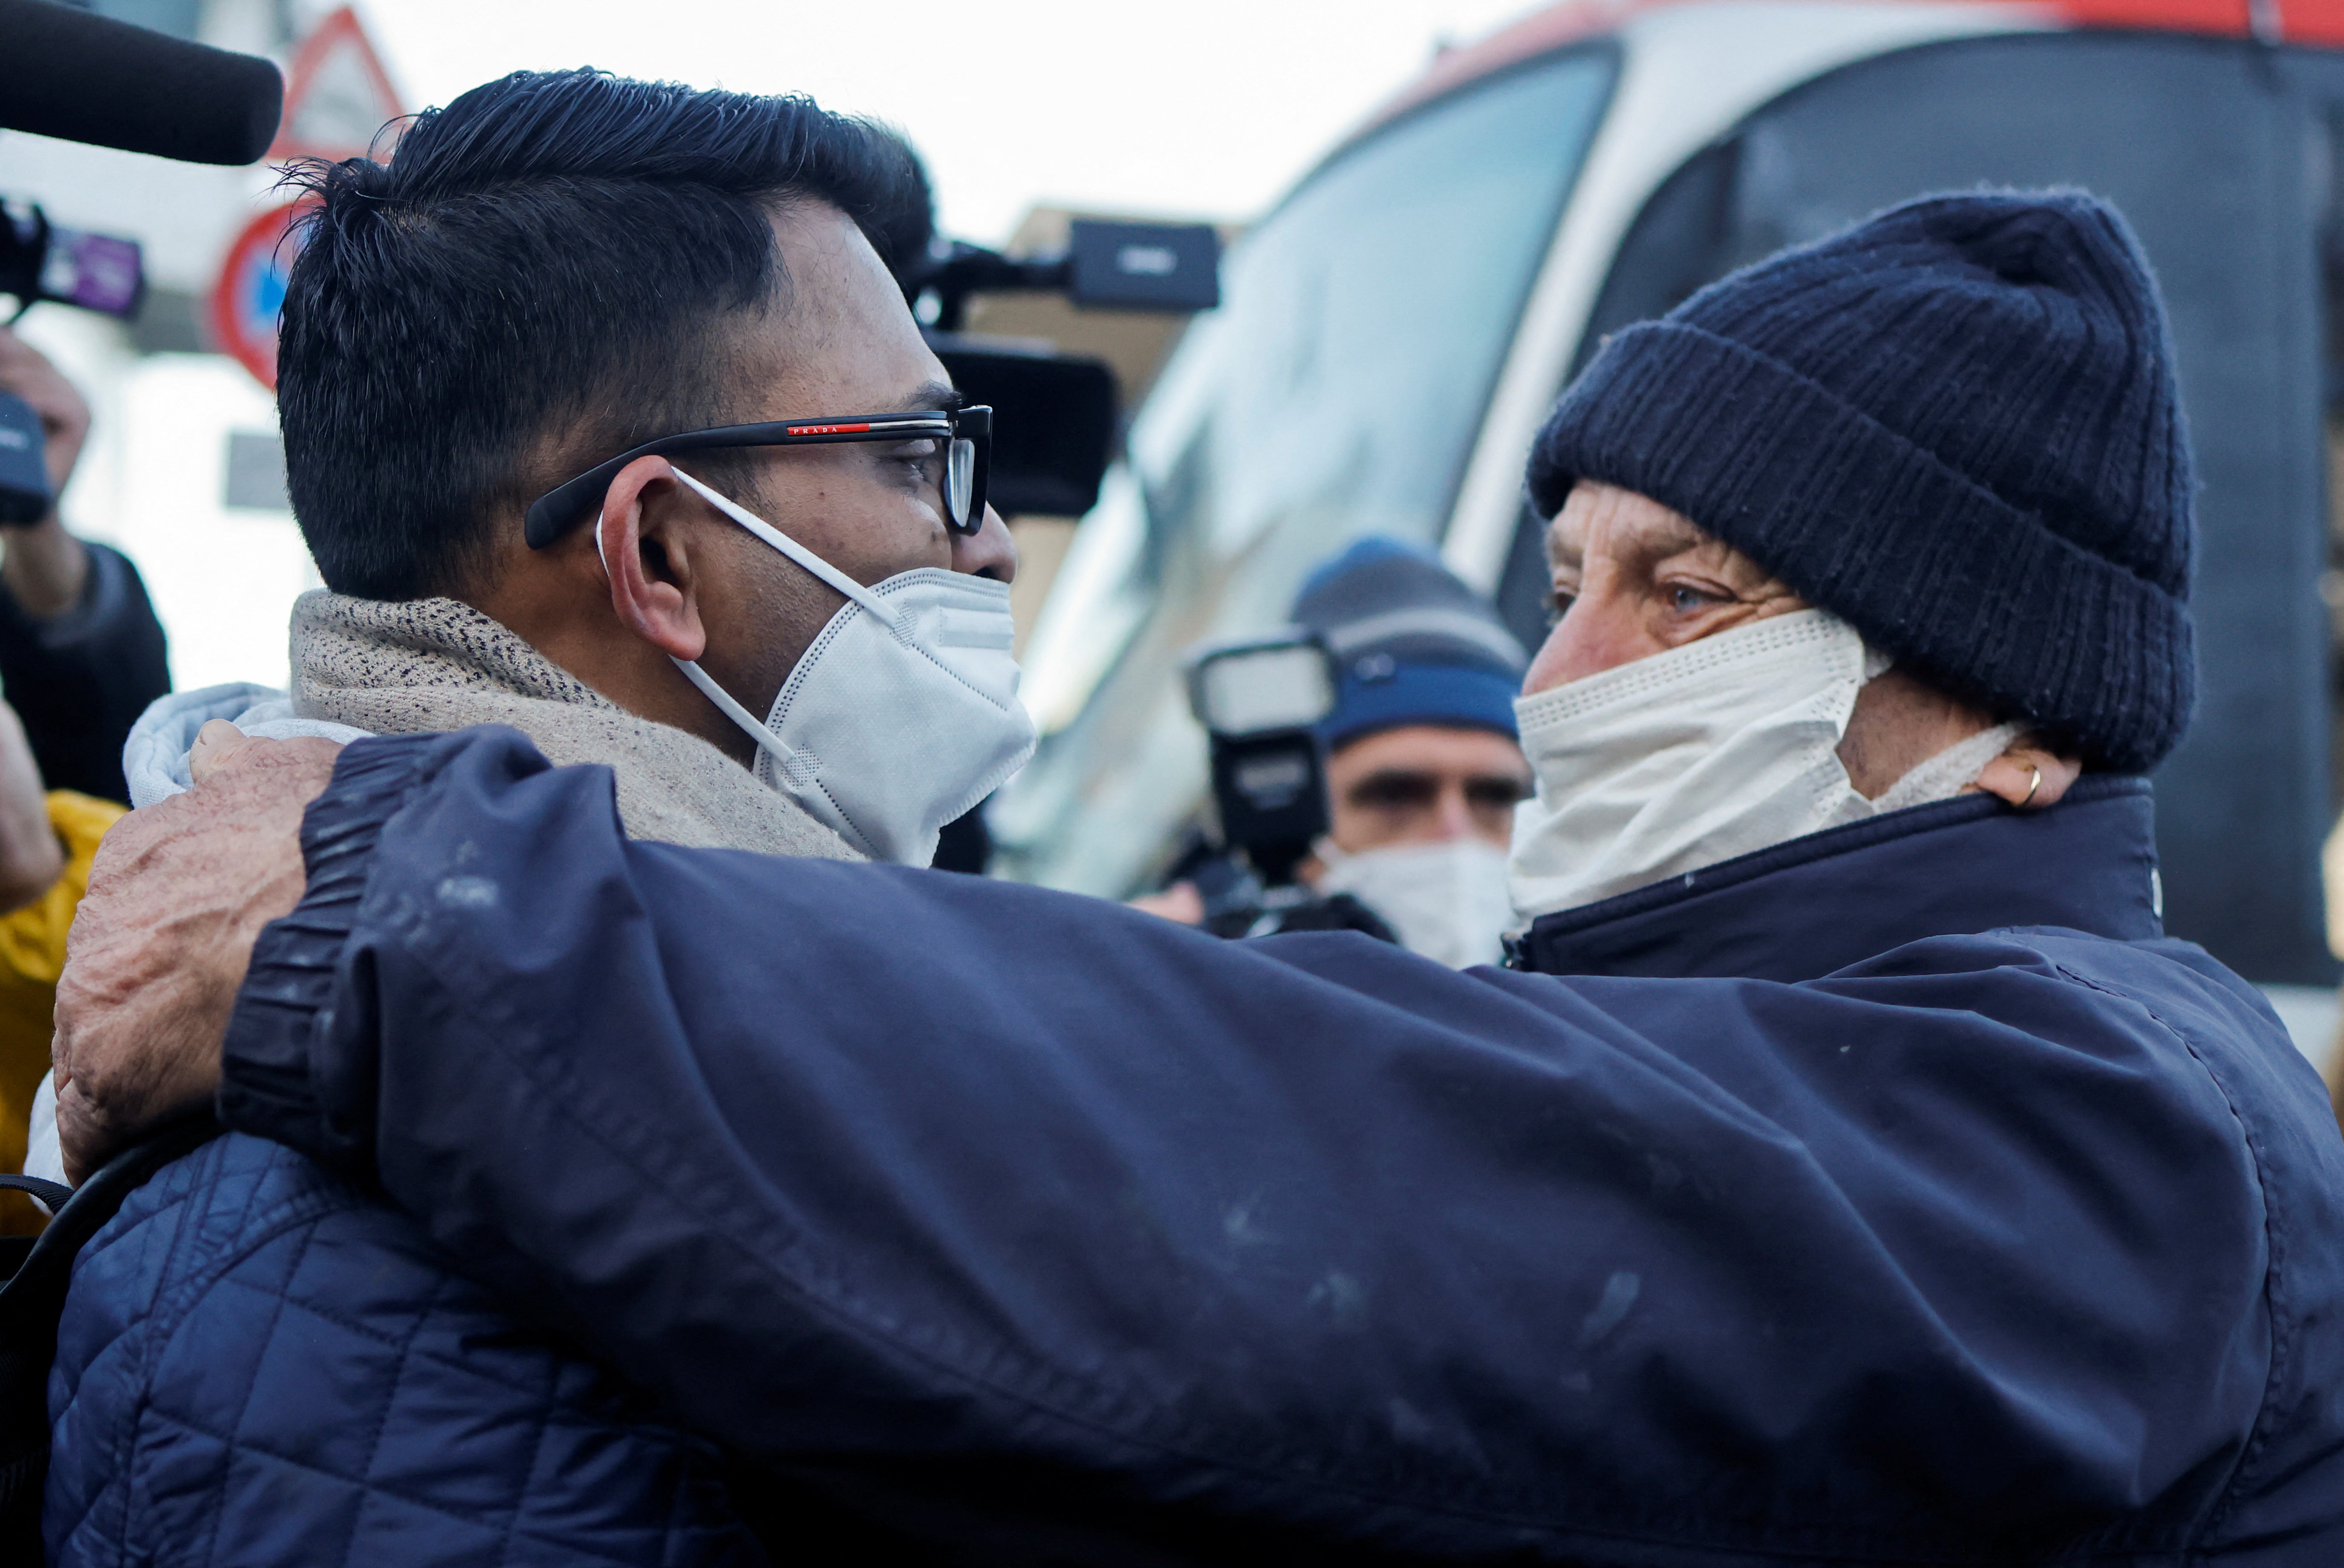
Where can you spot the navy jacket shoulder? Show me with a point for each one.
(1902, 1196)
(1959, 913)
(258, 1364)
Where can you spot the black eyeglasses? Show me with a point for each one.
(966, 435)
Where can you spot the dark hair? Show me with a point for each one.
(527, 250)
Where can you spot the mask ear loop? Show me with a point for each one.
(800, 553)
(792, 768)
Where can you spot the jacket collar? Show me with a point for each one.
(1823, 902)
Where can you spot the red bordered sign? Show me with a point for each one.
(337, 96)
(249, 295)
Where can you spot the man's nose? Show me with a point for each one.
(1455, 812)
(1601, 630)
(989, 552)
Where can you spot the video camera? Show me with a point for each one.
(1260, 702)
(40, 260)
(81, 77)
(1056, 414)
(46, 261)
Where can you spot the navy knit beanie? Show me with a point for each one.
(1412, 644)
(1955, 426)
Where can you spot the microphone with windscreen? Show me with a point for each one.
(82, 77)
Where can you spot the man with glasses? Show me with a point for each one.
(604, 420)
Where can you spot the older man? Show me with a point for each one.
(1858, 1176)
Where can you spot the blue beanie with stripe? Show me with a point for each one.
(1955, 426)
(1412, 644)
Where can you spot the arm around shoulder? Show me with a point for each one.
(888, 1166)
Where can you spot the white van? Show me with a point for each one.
(1393, 333)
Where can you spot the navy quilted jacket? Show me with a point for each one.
(261, 1364)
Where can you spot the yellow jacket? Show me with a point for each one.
(32, 953)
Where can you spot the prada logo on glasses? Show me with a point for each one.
(889, 427)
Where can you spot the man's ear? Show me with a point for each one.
(2029, 776)
(647, 560)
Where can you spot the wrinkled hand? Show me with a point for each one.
(177, 895)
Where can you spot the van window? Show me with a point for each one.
(1335, 394)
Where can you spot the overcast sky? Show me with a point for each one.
(1203, 107)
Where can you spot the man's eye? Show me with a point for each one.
(1557, 606)
(1496, 794)
(1685, 601)
(920, 461)
(1395, 791)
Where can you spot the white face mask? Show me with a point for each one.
(1688, 758)
(1447, 900)
(901, 715)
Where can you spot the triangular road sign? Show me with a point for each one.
(337, 94)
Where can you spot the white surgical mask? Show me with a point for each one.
(1447, 900)
(901, 715)
(1682, 759)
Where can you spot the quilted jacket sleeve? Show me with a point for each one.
(260, 1365)
(992, 1205)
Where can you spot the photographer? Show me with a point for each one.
(81, 653)
(1423, 772)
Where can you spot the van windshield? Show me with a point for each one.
(1335, 394)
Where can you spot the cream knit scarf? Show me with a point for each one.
(425, 666)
